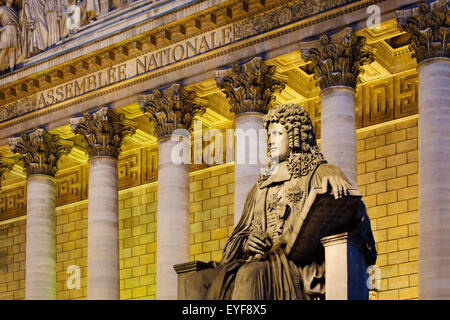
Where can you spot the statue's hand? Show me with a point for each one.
(339, 186)
(257, 243)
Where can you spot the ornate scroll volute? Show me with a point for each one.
(337, 59)
(171, 108)
(40, 151)
(250, 87)
(103, 132)
(428, 25)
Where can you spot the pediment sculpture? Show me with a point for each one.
(28, 27)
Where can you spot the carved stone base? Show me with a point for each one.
(184, 270)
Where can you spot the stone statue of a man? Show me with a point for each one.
(52, 18)
(35, 37)
(9, 27)
(254, 263)
(73, 16)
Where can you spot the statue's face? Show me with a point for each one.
(278, 142)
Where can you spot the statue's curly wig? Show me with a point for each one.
(305, 155)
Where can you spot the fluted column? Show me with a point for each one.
(428, 27)
(171, 109)
(249, 88)
(39, 152)
(337, 62)
(103, 133)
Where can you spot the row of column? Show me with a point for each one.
(250, 87)
(39, 151)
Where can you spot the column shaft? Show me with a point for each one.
(247, 159)
(173, 220)
(434, 178)
(338, 129)
(103, 230)
(40, 269)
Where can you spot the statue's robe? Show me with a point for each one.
(9, 44)
(34, 11)
(62, 11)
(53, 24)
(271, 206)
(9, 21)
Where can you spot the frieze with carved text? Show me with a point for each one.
(162, 57)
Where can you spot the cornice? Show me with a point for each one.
(194, 61)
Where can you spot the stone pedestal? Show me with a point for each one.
(184, 270)
(434, 178)
(173, 219)
(103, 230)
(40, 268)
(338, 129)
(345, 269)
(249, 147)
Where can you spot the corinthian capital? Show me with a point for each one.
(250, 87)
(40, 151)
(103, 132)
(337, 59)
(171, 108)
(428, 26)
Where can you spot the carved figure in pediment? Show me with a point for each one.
(9, 45)
(74, 13)
(62, 15)
(34, 26)
(52, 17)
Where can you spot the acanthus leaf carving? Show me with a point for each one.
(250, 87)
(103, 132)
(171, 109)
(39, 151)
(337, 59)
(428, 26)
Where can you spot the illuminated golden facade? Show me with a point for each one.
(138, 49)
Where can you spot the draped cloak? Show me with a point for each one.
(273, 276)
(53, 24)
(34, 10)
(9, 21)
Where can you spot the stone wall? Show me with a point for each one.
(387, 177)
(71, 248)
(212, 200)
(12, 260)
(137, 242)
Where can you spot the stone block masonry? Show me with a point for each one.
(388, 179)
